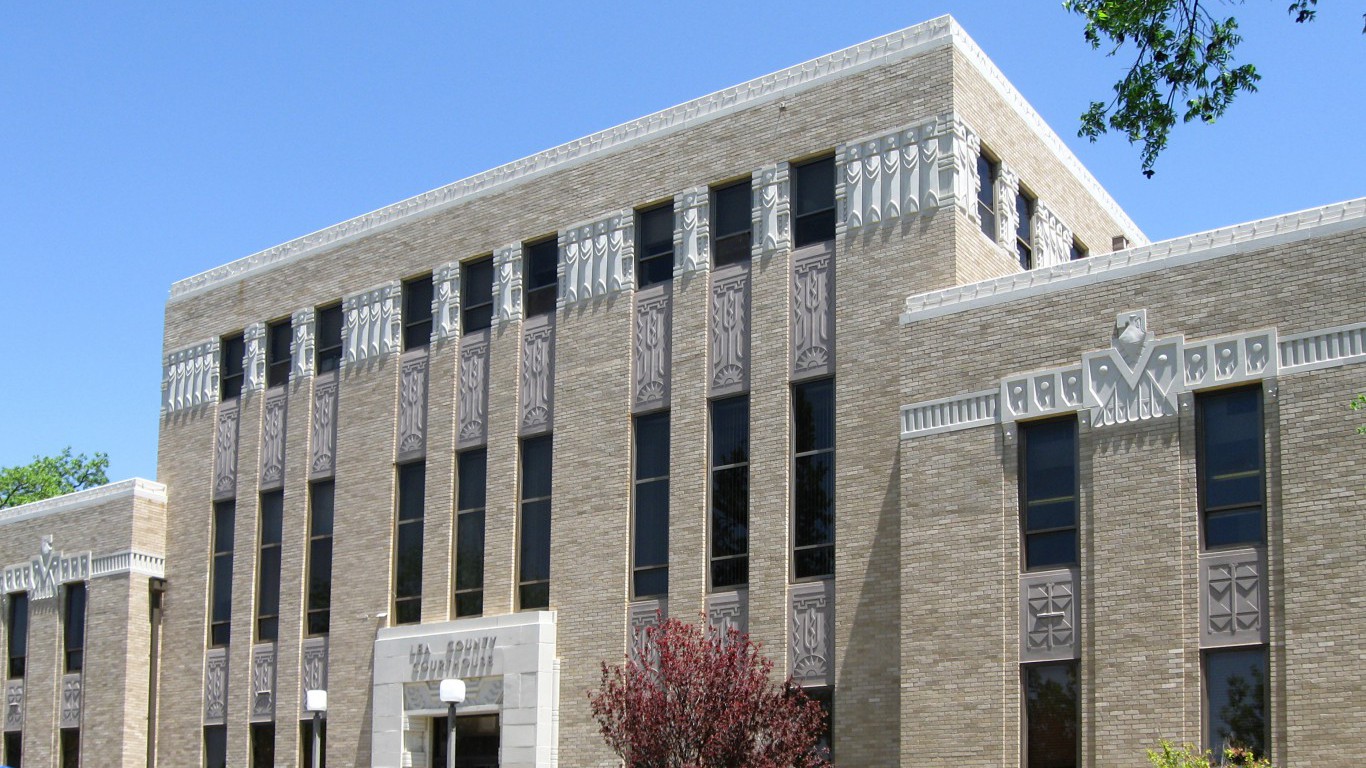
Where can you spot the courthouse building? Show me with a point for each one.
(856, 357)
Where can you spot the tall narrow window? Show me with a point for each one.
(655, 249)
(813, 208)
(541, 263)
(533, 578)
(1024, 238)
(73, 626)
(231, 356)
(730, 492)
(412, 483)
(278, 337)
(306, 743)
(813, 477)
(220, 602)
(215, 746)
(1078, 251)
(1230, 463)
(476, 294)
(469, 533)
(329, 338)
(14, 749)
(320, 500)
(732, 223)
(70, 742)
(825, 696)
(1048, 492)
(1236, 699)
(987, 171)
(268, 567)
(262, 745)
(417, 312)
(1051, 715)
(650, 542)
(16, 634)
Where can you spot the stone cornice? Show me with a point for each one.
(920, 38)
(1240, 238)
(135, 488)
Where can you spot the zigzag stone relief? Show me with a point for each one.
(913, 170)
(507, 284)
(225, 451)
(1232, 598)
(1048, 616)
(412, 405)
(597, 258)
(14, 705)
(71, 701)
(811, 639)
(313, 668)
(692, 230)
(254, 361)
(538, 375)
(728, 610)
(772, 211)
(215, 686)
(273, 439)
(263, 681)
(446, 302)
(323, 435)
(1052, 239)
(473, 390)
(652, 348)
(813, 312)
(371, 323)
(190, 377)
(729, 328)
(301, 346)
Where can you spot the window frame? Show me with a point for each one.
(74, 626)
(1022, 474)
(1206, 706)
(1026, 203)
(269, 551)
(232, 366)
(327, 351)
(533, 293)
(417, 312)
(1202, 399)
(402, 601)
(523, 501)
(312, 570)
(468, 323)
(223, 511)
(797, 455)
(712, 510)
(796, 171)
(986, 192)
(637, 483)
(721, 242)
(643, 259)
(69, 747)
(17, 664)
(279, 338)
(1075, 667)
(472, 512)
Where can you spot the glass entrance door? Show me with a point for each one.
(476, 741)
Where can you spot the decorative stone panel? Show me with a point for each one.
(813, 312)
(692, 231)
(811, 642)
(254, 358)
(728, 358)
(728, 610)
(1136, 379)
(1041, 393)
(914, 170)
(1048, 616)
(644, 614)
(538, 376)
(323, 429)
(597, 258)
(1232, 598)
(372, 323)
(273, 439)
(1052, 239)
(424, 698)
(71, 701)
(473, 395)
(412, 405)
(216, 686)
(225, 450)
(772, 211)
(652, 348)
(1229, 360)
(313, 668)
(14, 705)
(446, 302)
(41, 576)
(190, 377)
(507, 284)
(965, 184)
(949, 414)
(263, 681)
(1007, 216)
(1321, 349)
(302, 347)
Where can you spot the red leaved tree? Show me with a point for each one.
(700, 699)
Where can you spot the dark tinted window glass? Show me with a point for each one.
(1236, 699)
(417, 313)
(534, 552)
(263, 745)
(268, 567)
(16, 629)
(1048, 490)
(813, 417)
(216, 746)
(278, 338)
(73, 626)
(1024, 243)
(14, 749)
(986, 196)
(813, 208)
(732, 217)
(824, 696)
(730, 492)
(71, 747)
(220, 604)
(1051, 715)
(306, 743)
(1231, 462)
(231, 356)
(651, 542)
(542, 281)
(472, 467)
(476, 288)
(329, 338)
(320, 514)
(412, 481)
(1078, 251)
(655, 257)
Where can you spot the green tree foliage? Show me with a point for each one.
(1181, 51)
(1168, 755)
(48, 476)
(1358, 403)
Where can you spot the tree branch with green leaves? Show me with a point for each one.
(48, 476)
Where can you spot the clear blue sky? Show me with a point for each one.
(141, 143)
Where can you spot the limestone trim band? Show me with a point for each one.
(133, 488)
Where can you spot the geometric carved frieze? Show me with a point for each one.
(301, 347)
(313, 668)
(692, 230)
(644, 614)
(446, 302)
(1048, 616)
(412, 405)
(190, 377)
(1007, 215)
(950, 414)
(1042, 393)
(323, 434)
(71, 701)
(42, 575)
(215, 686)
(813, 312)
(772, 219)
(263, 681)
(812, 640)
(598, 258)
(424, 698)
(1052, 240)
(14, 705)
(1322, 349)
(917, 169)
(1230, 359)
(652, 358)
(225, 450)
(371, 323)
(729, 348)
(507, 284)
(538, 375)
(273, 439)
(728, 610)
(472, 396)
(1137, 379)
(1232, 598)
(254, 360)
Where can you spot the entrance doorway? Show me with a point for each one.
(476, 741)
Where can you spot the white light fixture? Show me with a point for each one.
(453, 691)
(315, 701)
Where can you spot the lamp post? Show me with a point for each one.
(452, 692)
(315, 701)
